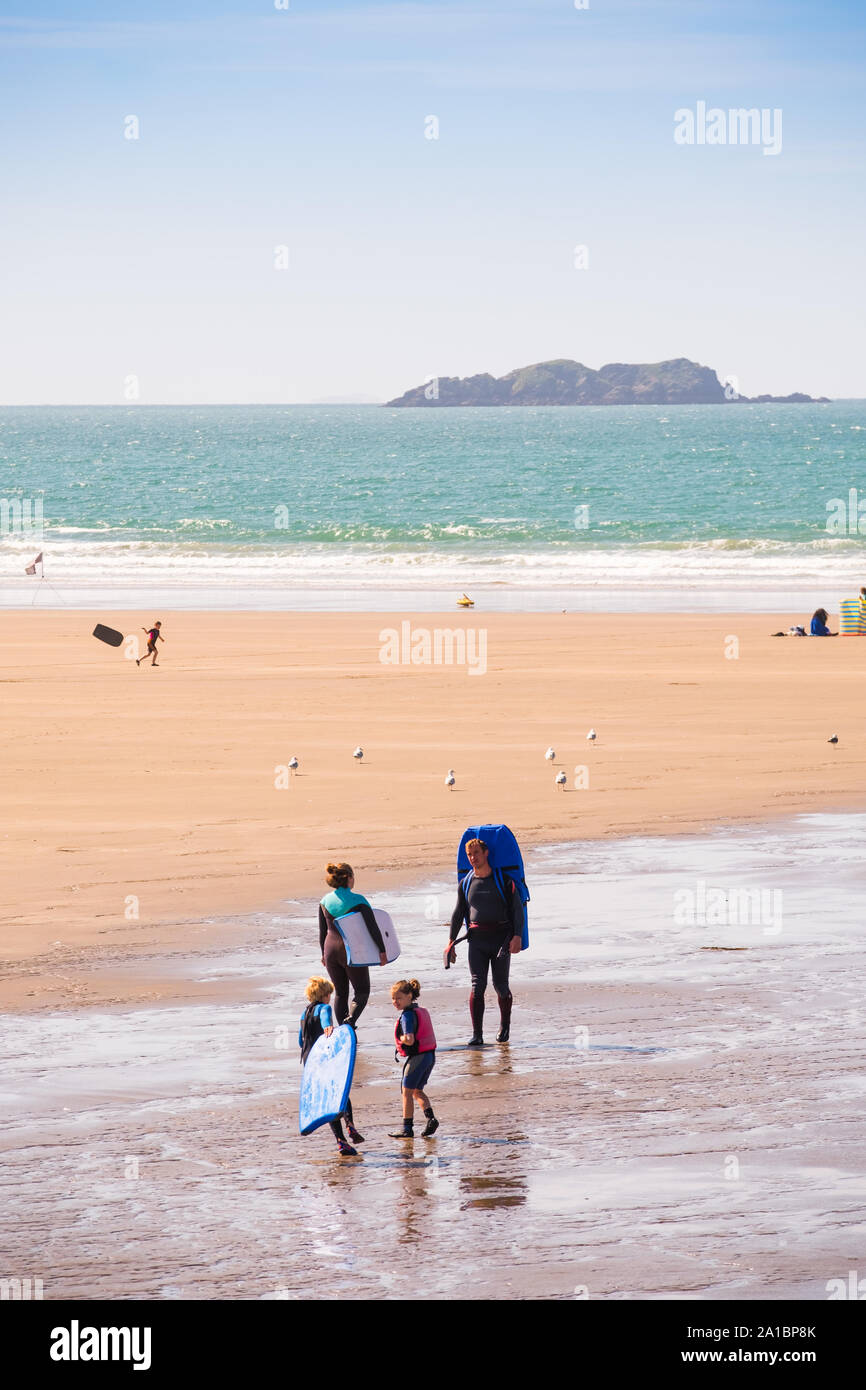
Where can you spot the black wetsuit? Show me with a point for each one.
(493, 921)
(343, 975)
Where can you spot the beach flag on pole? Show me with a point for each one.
(31, 569)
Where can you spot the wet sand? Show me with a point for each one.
(142, 819)
(679, 1114)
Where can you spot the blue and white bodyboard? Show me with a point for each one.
(361, 949)
(327, 1078)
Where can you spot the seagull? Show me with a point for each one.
(358, 753)
(834, 739)
(560, 780)
(591, 736)
(550, 755)
(293, 764)
(450, 779)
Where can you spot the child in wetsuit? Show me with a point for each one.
(416, 1042)
(153, 636)
(318, 1019)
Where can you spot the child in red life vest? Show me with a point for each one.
(415, 1040)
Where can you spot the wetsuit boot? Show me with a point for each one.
(476, 1013)
(432, 1124)
(407, 1132)
(344, 1147)
(354, 1135)
(505, 1002)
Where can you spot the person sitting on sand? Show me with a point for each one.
(339, 903)
(819, 624)
(153, 636)
(317, 1020)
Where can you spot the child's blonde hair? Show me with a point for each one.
(318, 990)
(406, 987)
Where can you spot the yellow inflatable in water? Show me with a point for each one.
(466, 602)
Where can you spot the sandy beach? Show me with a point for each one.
(145, 810)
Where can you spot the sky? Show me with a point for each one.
(283, 228)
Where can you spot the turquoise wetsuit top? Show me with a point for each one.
(341, 901)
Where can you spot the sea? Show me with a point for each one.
(680, 508)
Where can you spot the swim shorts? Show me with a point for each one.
(416, 1072)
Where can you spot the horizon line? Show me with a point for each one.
(283, 405)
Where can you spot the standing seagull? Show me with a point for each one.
(450, 779)
(591, 736)
(358, 753)
(560, 780)
(293, 765)
(550, 755)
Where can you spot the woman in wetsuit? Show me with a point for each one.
(339, 902)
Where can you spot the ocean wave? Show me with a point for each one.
(824, 565)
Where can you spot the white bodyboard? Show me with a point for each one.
(360, 946)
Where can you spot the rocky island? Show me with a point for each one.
(562, 382)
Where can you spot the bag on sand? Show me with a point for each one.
(849, 617)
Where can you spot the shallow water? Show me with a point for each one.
(679, 1114)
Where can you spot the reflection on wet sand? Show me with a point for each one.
(659, 1125)
(486, 1192)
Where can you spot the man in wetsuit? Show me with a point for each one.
(495, 935)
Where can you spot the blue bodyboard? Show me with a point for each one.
(327, 1079)
(504, 854)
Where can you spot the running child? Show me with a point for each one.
(153, 636)
(316, 1020)
(416, 1041)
